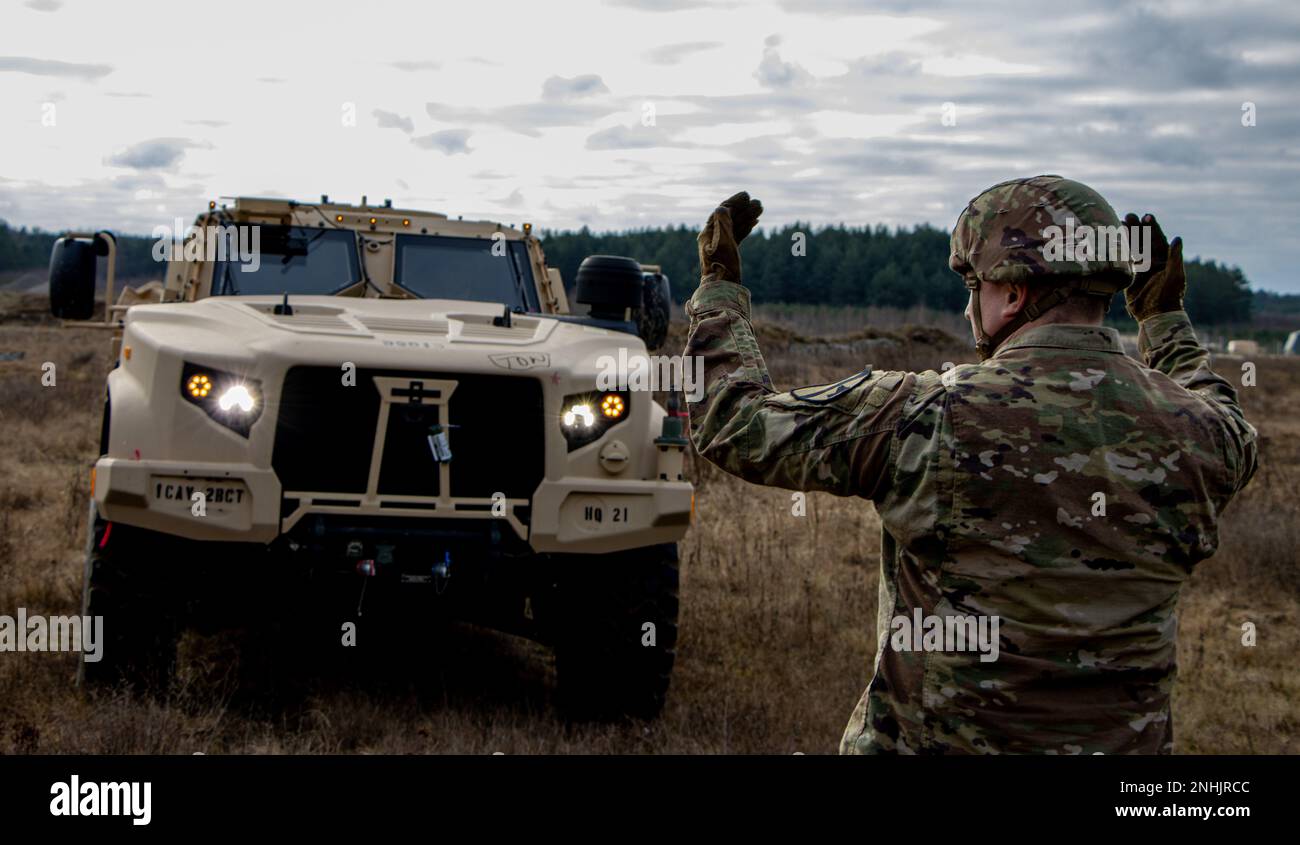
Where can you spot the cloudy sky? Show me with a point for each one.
(647, 112)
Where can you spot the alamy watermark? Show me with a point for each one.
(946, 633)
(645, 373)
(1073, 242)
(132, 799)
(55, 633)
(209, 243)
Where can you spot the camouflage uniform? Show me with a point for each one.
(985, 478)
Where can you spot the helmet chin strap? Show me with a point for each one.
(983, 343)
(986, 344)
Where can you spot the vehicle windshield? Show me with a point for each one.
(435, 267)
(292, 259)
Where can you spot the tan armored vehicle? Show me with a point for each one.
(380, 412)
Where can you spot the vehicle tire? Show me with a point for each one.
(128, 582)
(606, 664)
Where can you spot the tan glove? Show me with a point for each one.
(1160, 288)
(720, 239)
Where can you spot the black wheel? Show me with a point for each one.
(616, 632)
(128, 583)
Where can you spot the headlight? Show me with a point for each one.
(585, 417)
(237, 397)
(579, 416)
(233, 401)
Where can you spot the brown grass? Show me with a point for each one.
(777, 633)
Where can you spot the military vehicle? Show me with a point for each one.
(372, 413)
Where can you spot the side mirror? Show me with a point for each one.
(72, 278)
(656, 309)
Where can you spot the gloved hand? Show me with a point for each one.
(1160, 288)
(720, 240)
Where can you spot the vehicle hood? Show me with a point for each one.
(426, 333)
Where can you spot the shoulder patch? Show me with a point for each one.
(928, 380)
(884, 388)
(822, 394)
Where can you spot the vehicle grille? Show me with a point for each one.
(325, 435)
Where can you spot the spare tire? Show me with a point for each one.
(610, 284)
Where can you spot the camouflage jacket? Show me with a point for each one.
(1060, 491)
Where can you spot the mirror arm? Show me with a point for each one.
(110, 274)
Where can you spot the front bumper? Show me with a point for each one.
(160, 496)
(241, 503)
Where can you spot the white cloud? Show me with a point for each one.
(828, 110)
(559, 88)
(774, 72)
(52, 67)
(449, 141)
(155, 154)
(671, 54)
(973, 66)
(392, 120)
(413, 66)
(841, 124)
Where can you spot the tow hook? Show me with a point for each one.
(442, 572)
(367, 569)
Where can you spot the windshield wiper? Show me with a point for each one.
(289, 256)
(228, 286)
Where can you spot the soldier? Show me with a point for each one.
(1058, 487)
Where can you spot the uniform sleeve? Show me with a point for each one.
(1168, 343)
(834, 438)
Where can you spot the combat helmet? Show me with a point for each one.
(1037, 231)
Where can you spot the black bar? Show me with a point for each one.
(971, 796)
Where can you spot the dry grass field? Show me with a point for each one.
(777, 628)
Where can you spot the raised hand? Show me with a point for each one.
(1160, 288)
(727, 226)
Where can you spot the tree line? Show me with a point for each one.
(24, 249)
(868, 266)
(832, 265)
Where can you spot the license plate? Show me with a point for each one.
(198, 495)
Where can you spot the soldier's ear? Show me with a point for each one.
(1015, 297)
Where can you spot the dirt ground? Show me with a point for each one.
(777, 627)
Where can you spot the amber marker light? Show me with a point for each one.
(199, 386)
(611, 407)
